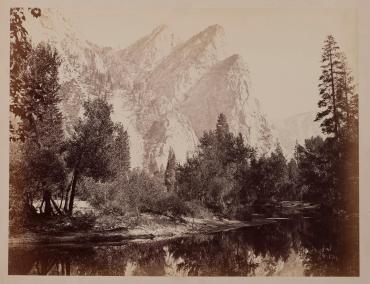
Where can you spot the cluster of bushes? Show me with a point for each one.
(226, 176)
(328, 173)
(135, 191)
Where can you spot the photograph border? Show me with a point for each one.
(363, 8)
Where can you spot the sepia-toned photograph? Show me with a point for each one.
(183, 142)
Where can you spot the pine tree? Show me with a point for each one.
(153, 166)
(328, 169)
(265, 140)
(222, 127)
(349, 101)
(293, 179)
(120, 159)
(161, 171)
(225, 146)
(347, 167)
(170, 173)
(331, 101)
(279, 170)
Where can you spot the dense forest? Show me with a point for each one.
(224, 176)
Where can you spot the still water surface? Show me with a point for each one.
(296, 247)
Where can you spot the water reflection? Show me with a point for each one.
(295, 247)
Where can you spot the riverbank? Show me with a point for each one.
(116, 229)
(89, 226)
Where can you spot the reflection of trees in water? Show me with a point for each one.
(44, 261)
(228, 253)
(149, 258)
(331, 248)
(217, 255)
(234, 253)
(101, 260)
(326, 249)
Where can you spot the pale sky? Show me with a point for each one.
(282, 48)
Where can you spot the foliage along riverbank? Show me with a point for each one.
(96, 229)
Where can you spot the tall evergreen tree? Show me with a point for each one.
(339, 102)
(349, 104)
(227, 145)
(347, 168)
(331, 101)
(222, 127)
(293, 188)
(328, 169)
(153, 166)
(170, 173)
(120, 159)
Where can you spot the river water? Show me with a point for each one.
(294, 247)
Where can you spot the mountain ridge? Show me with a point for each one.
(165, 91)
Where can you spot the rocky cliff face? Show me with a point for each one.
(294, 129)
(224, 88)
(164, 91)
(82, 73)
(185, 65)
(128, 67)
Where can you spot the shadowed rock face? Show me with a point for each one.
(166, 92)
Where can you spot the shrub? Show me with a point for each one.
(171, 204)
(136, 192)
(196, 210)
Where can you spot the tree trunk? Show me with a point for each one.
(346, 98)
(47, 198)
(74, 182)
(67, 195)
(73, 192)
(66, 200)
(42, 203)
(56, 207)
(335, 115)
(61, 198)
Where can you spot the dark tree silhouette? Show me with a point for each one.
(170, 173)
(331, 101)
